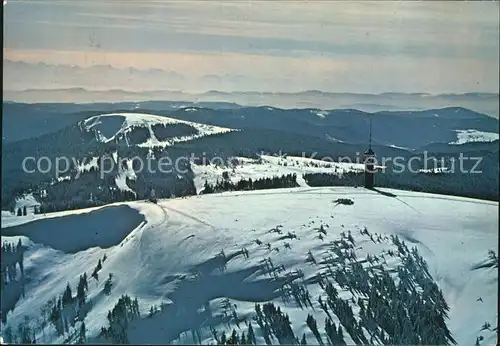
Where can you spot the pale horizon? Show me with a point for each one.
(252, 46)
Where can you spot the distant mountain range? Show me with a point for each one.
(92, 134)
(486, 103)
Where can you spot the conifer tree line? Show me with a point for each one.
(275, 328)
(12, 278)
(62, 313)
(274, 323)
(125, 311)
(93, 187)
(456, 184)
(55, 206)
(413, 311)
(12, 256)
(410, 312)
(89, 190)
(236, 338)
(284, 181)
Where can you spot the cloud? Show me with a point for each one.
(328, 28)
(407, 45)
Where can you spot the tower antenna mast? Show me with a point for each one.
(370, 143)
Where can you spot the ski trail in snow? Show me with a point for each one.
(408, 205)
(465, 199)
(147, 227)
(164, 218)
(301, 181)
(310, 190)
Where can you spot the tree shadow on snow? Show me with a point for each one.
(384, 193)
(186, 311)
(103, 228)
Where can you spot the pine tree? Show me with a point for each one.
(81, 337)
(67, 296)
(8, 335)
(85, 282)
(340, 335)
(25, 332)
(251, 335)
(152, 311)
(243, 340)
(107, 286)
(80, 291)
(207, 188)
(95, 275)
(19, 212)
(311, 323)
(233, 340)
(135, 309)
(25, 211)
(55, 316)
(303, 341)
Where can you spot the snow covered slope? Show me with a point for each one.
(188, 256)
(471, 135)
(268, 166)
(109, 127)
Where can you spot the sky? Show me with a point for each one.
(278, 46)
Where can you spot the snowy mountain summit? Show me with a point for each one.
(290, 266)
(150, 130)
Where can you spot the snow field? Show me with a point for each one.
(171, 257)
